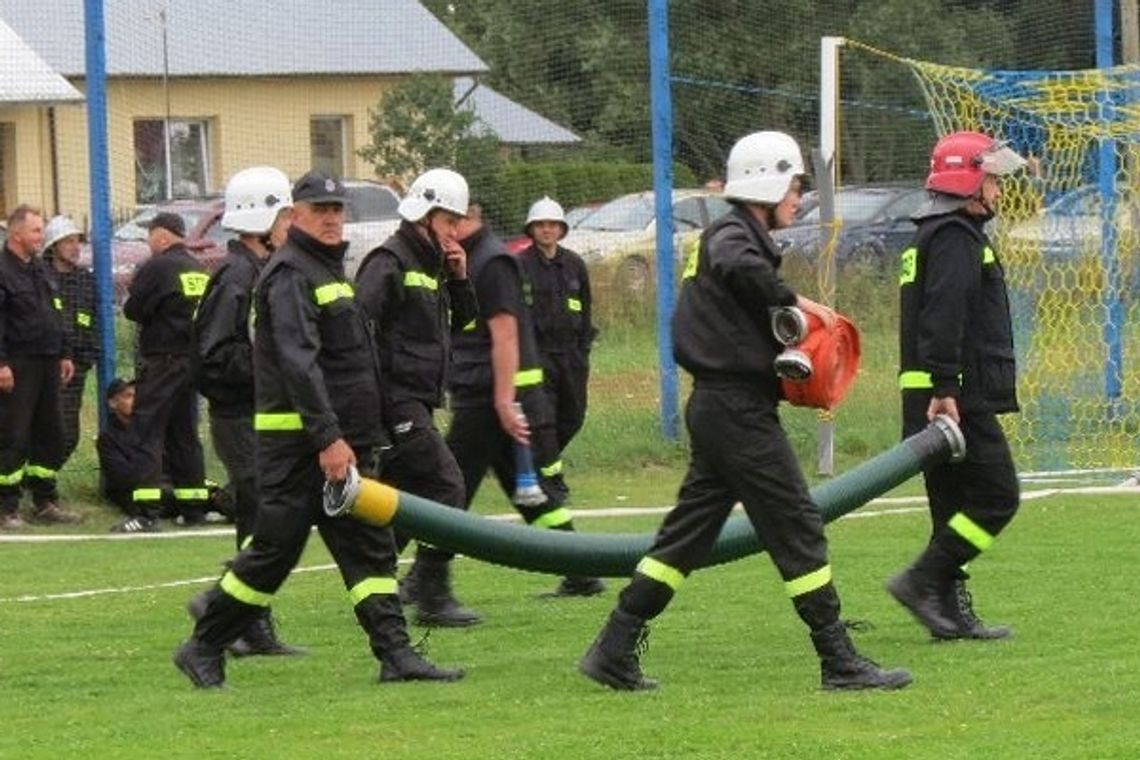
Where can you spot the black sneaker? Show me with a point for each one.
(203, 665)
(137, 524)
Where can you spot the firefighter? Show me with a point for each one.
(161, 299)
(495, 364)
(318, 413)
(415, 289)
(739, 452)
(257, 204)
(62, 241)
(956, 346)
(563, 327)
(35, 361)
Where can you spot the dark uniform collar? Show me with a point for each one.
(333, 254)
(743, 213)
(243, 251)
(541, 256)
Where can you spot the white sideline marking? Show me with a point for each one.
(1118, 490)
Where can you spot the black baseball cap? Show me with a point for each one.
(169, 221)
(315, 187)
(117, 386)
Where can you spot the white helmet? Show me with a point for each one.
(435, 188)
(761, 167)
(57, 229)
(546, 209)
(254, 196)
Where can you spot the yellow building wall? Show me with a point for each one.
(26, 157)
(252, 121)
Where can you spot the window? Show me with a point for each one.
(327, 144)
(189, 175)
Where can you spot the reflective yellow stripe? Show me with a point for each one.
(660, 572)
(988, 256)
(146, 494)
(420, 280)
(83, 319)
(692, 257)
(527, 377)
(573, 304)
(370, 586)
(807, 583)
(43, 473)
(240, 590)
(554, 518)
(552, 469)
(971, 531)
(193, 284)
(915, 378)
(277, 421)
(908, 266)
(246, 542)
(12, 478)
(469, 326)
(57, 302)
(191, 494)
(326, 294)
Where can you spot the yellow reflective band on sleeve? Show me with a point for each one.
(805, 584)
(550, 470)
(277, 421)
(193, 284)
(915, 379)
(660, 572)
(553, 519)
(146, 494)
(692, 257)
(469, 326)
(12, 478)
(326, 294)
(246, 543)
(988, 256)
(971, 531)
(371, 587)
(57, 302)
(908, 266)
(420, 280)
(238, 589)
(39, 471)
(83, 319)
(191, 494)
(574, 304)
(528, 377)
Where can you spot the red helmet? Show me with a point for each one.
(961, 160)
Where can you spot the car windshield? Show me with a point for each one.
(134, 229)
(372, 203)
(853, 206)
(626, 214)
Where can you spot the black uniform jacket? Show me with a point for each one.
(117, 446)
(955, 331)
(316, 373)
(721, 328)
(77, 293)
(414, 306)
(30, 322)
(162, 297)
(562, 302)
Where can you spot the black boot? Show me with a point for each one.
(612, 660)
(576, 585)
(406, 664)
(436, 605)
(203, 664)
(260, 638)
(959, 607)
(923, 596)
(408, 587)
(842, 667)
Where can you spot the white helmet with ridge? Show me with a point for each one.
(254, 197)
(57, 229)
(761, 167)
(436, 188)
(546, 209)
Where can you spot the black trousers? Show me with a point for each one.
(71, 404)
(566, 377)
(479, 443)
(31, 432)
(291, 486)
(165, 417)
(235, 444)
(983, 487)
(739, 453)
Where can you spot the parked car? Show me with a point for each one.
(372, 218)
(1070, 226)
(623, 233)
(876, 225)
(574, 216)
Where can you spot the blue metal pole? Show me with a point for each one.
(1106, 184)
(99, 180)
(661, 103)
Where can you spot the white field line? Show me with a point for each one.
(509, 517)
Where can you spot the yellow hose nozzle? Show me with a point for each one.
(363, 498)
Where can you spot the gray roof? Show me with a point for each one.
(511, 122)
(247, 37)
(25, 77)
